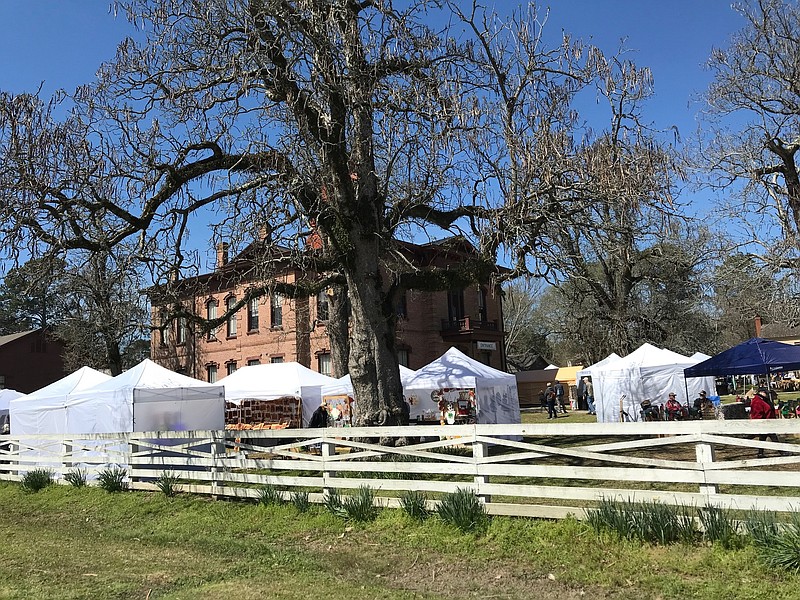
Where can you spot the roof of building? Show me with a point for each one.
(7, 339)
(779, 330)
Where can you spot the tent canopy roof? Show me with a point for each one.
(272, 380)
(148, 375)
(453, 369)
(82, 379)
(754, 357)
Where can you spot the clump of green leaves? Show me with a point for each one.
(651, 522)
(415, 504)
(333, 502)
(269, 494)
(113, 479)
(36, 480)
(168, 482)
(464, 510)
(361, 505)
(76, 477)
(300, 501)
(719, 526)
(779, 545)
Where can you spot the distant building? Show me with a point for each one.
(30, 360)
(779, 332)
(274, 328)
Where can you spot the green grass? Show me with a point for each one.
(71, 543)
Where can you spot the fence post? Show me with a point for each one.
(217, 466)
(705, 454)
(327, 450)
(480, 450)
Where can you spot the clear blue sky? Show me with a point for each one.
(62, 42)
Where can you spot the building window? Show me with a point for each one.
(252, 314)
(2, 382)
(482, 312)
(402, 306)
(276, 310)
(231, 324)
(323, 308)
(180, 334)
(402, 357)
(324, 363)
(211, 314)
(231, 367)
(163, 332)
(455, 305)
(275, 360)
(211, 372)
(252, 362)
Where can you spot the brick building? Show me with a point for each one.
(30, 360)
(280, 329)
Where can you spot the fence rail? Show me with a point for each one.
(550, 471)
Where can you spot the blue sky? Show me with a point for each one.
(60, 44)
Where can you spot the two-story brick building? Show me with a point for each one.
(274, 328)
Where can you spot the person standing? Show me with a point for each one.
(559, 390)
(588, 394)
(761, 407)
(550, 397)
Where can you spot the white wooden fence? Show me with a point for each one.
(548, 470)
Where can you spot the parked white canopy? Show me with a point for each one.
(647, 373)
(44, 411)
(147, 397)
(344, 384)
(278, 380)
(497, 400)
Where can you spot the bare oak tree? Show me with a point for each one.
(354, 124)
(754, 104)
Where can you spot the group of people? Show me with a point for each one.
(553, 398)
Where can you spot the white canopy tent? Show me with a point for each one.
(278, 380)
(147, 397)
(648, 373)
(496, 395)
(343, 385)
(6, 396)
(45, 410)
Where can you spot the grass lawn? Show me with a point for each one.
(70, 543)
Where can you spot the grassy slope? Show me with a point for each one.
(84, 543)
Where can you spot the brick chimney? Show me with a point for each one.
(757, 321)
(222, 254)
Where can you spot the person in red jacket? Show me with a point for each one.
(761, 407)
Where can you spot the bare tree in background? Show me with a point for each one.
(526, 333)
(754, 118)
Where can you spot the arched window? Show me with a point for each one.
(276, 310)
(230, 302)
(211, 314)
(252, 314)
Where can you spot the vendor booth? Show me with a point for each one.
(45, 410)
(275, 394)
(147, 397)
(458, 389)
(341, 400)
(648, 373)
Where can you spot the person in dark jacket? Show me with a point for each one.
(320, 417)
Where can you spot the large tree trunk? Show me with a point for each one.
(339, 330)
(372, 344)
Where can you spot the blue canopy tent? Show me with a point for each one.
(756, 356)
